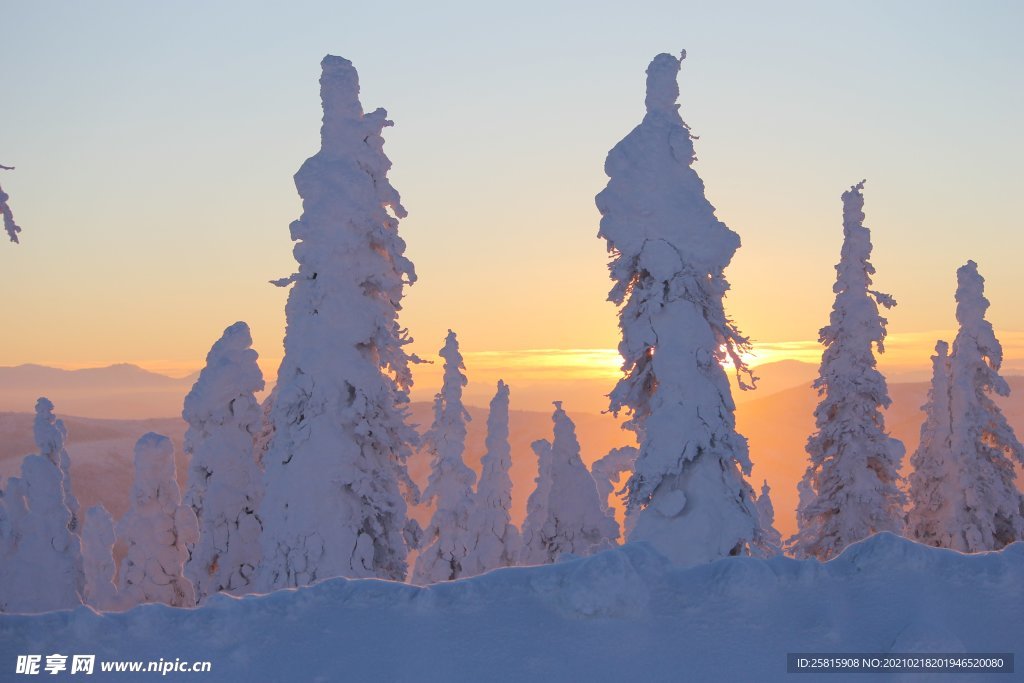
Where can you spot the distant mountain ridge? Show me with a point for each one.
(775, 377)
(122, 390)
(117, 372)
(127, 391)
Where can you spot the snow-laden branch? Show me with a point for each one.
(10, 226)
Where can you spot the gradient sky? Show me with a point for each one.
(155, 144)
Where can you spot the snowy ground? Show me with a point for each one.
(620, 615)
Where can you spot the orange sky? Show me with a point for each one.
(154, 217)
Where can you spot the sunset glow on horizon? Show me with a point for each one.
(584, 376)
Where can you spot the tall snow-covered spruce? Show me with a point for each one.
(50, 436)
(450, 487)
(934, 479)
(40, 555)
(964, 490)
(336, 461)
(224, 483)
(565, 513)
(851, 486)
(157, 530)
(494, 540)
(688, 495)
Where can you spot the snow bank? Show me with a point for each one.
(600, 618)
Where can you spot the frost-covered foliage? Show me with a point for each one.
(156, 530)
(851, 485)
(606, 470)
(10, 226)
(687, 495)
(564, 514)
(40, 557)
(448, 539)
(98, 560)
(266, 433)
(963, 489)
(531, 548)
(934, 480)
(225, 485)
(51, 435)
(494, 540)
(336, 462)
(41, 562)
(771, 539)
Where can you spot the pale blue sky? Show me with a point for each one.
(155, 144)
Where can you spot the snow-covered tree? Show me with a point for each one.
(41, 569)
(40, 556)
(224, 483)
(687, 496)
(98, 560)
(606, 470)
(964, 490)
(771, 540)
(51, 435)
(13, 513)
(447, 539)
(156, 530)
(10, 507)
(852, 481)
(336, 463)
(494, 540)
(266, 433)
(10, 226)
(571, 519)
(531, 546)
(934, 480)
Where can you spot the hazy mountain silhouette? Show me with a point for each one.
(775, 377)
(120, 391)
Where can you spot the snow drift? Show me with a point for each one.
(603, 617)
